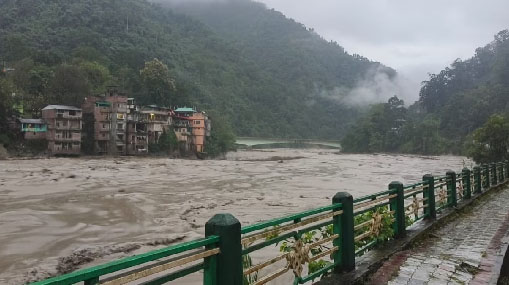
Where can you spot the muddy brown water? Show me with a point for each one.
(65, 213)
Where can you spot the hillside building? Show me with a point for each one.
(191, 128)
(64, 124)
(105, 123)
(137, 135)
(33, 129)
(157, 119)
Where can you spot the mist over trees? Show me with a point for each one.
(452, 106)
(265, 74)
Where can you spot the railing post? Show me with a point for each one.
(467, 186)
(430, 211)
(477, 180)
(506, 168)
(501, 177)
(397, 205)
(344, 225)
(229, 260)
(451, 187)
(494, 181)
(487, 179)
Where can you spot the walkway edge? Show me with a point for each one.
(369, 263)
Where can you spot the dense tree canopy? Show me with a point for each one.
(264, 74)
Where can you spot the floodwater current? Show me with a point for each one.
(61, 214)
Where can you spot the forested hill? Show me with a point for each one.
(463, 109)
(271, 79)
(465, 94)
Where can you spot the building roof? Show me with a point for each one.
(185, 110)
(61, 107)
(32, 121)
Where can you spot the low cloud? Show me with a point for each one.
(376, 87)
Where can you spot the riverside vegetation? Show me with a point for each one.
(58, 52)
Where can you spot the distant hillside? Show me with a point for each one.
(271, 77)
(465, 94)
(453, 104)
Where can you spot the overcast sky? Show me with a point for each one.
(414, 37)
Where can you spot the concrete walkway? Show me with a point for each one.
(465, 250)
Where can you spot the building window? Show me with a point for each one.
(72, 113)
(196, 122)
(120, 126)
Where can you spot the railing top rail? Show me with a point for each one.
(422, 183)
(124, 263)
(373, 196)
(277, 221)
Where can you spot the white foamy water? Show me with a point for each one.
(110, 208)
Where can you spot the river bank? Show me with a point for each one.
(62, 213)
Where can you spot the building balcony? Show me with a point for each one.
(67, 116)
(65, 128)
(72, 139)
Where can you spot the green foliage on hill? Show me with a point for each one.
(452, 105)
(490, 142)
(266, 80)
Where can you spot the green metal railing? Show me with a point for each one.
(308, 244)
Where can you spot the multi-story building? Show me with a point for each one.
(137, 136)
(191, 128)
(64, 129)
(105, 123)
(33, 129)
(158, 120)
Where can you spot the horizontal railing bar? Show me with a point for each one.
(414, 185)
(160, 262)
(368, 197)
(371, 209)
(268, 242)
(175, 275)
(365, 247)
(314, 227)
(272, 276)
(162, 267)
(274, 222)
(254, 237)
(271, 261)
(413, 193)
(367, 203)
(323, 254)
(317, 273)
(360, 226)
(124, 263)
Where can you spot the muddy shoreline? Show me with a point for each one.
(61, 214)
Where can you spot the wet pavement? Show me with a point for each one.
(462, 251)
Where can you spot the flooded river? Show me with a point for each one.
(62, 213)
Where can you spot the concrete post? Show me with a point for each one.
(229, 261)
(344, 225)
(430, 211)
(397, 205)
(451, 187)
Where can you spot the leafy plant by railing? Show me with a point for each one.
(309, 238)
(383, 234)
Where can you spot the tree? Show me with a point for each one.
(159, 85)
(491, 141)
(221, 139)
(97, 75)
(168, 141)
(70, 85)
